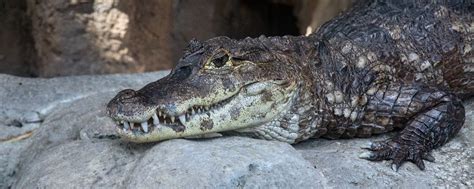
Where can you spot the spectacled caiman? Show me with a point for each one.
(378, 67)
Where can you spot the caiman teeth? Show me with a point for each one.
(126, 125)
(145, 126)
(156, 121)
(187, 117)
(182, 118)
(161, 119)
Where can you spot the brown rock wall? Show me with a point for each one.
(78, 37)
(16, 45)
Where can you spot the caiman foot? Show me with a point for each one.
(398, 152)
(435, 117)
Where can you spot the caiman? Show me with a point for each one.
(378, 67)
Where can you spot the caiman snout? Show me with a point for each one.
(129, 105)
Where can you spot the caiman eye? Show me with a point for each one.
(220, 61)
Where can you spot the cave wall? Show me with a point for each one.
(80, 37)
(77, 37)
(16, 44)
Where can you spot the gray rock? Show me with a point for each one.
(9, 157)
(229, 162)
(26, 104)
(73, 145)
(83, 119)
(23, 95)
(220, 163)
(79, 164)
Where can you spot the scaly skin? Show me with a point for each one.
(380, 66)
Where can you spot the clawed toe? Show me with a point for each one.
(366, 155)
(398, 153)
(428, 157)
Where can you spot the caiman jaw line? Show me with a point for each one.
(160, 118)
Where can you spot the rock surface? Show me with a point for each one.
(228, 162)
(71, 143)
(26, 104)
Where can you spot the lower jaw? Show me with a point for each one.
(193, 128)
(157, 134)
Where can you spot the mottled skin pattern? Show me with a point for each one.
(376, 68)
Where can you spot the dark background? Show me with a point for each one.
(76, 37)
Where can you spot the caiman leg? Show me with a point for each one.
(430, 117)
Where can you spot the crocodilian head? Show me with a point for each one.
(219, 85)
